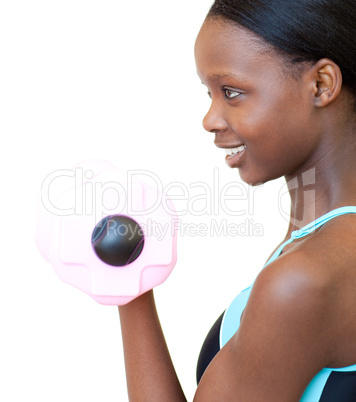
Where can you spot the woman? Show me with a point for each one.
(281, 77)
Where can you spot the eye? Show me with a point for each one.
(231, 93)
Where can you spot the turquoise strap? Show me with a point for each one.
(297, 234)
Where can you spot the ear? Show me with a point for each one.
(327, 82)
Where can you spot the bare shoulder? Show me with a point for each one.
(309, 295)
(323, 262)
(282, 341)
(314, 265)
(314, 282)
(298, 319)
(296, 296)
(292, 287)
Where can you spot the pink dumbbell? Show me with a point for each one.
(107, 233)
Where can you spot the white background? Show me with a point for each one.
(113, 80)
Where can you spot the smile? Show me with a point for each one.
(230, 152)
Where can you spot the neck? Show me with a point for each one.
(329, 182)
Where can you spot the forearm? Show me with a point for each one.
(149, 369)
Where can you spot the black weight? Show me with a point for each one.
(118, 240)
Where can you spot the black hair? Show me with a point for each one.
(305, 30)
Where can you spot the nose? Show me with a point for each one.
(214, 120)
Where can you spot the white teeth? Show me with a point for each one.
(234, 151)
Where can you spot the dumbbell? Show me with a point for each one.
(106, 231)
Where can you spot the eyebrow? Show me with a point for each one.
(217, 77)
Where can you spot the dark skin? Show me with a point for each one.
(301, 314)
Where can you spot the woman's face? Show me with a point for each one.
(258, 108)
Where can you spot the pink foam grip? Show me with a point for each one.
(83, 196)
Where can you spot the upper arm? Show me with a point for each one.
(282, 342)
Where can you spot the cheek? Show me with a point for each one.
(282, 117)
(279, 139)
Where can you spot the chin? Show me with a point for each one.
(257, 178)
(253, 180)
